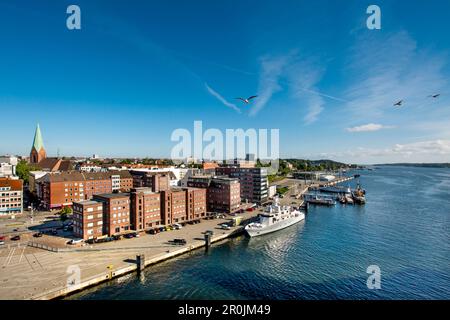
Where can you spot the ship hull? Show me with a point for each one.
(275, 227)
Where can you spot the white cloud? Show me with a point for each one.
(222, 99)
(368, 127)
(271, 71)
(388, 69)
(421, 151)
(299, 76)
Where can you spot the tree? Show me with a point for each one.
(23, 169)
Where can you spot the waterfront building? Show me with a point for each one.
(145, 208)
(88, 219)
(11, 196)
(116, 212)
(60, 189)
(253, 182)
(223, 193)
(182, 204)
(156, 181)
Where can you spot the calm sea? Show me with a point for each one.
(403, 229)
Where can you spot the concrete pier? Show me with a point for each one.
(35, 273)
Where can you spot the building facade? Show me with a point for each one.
(253, 182)
(11, 196)
(116, 212)
(145, 208)
(222, 193)
(60, 189)
(88, 219)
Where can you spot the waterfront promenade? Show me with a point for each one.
(32, 273)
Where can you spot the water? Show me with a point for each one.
(403, 228)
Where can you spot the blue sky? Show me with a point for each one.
(137, 70)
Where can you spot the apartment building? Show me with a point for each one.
(253, 182)
(155, 181)
(60, 189)
(11, 196)
(222, 193)
(182, 204)
(88, 219)
(145, 208)
(116, 212)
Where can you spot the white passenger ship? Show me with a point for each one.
(274, 218)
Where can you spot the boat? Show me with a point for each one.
(320, 200)
(274, 218)
(359, 195)
(336, 189)
(349, 199)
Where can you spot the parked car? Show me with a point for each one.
(209, 231)
(15, 230)
(2, 243)
(177, 226)
(178, 241)
(54, 232)
(15, 238)
(37, 235)
(225, 226)
(2, 238)
(162, 229)
(90, 241)
(117, 237)
(75, 241)
(128, 236)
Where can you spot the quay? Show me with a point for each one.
(32, 273)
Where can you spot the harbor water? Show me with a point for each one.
(403, 229)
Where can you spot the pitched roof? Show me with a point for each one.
(15, 185)
(38, 142)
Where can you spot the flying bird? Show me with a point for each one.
(398, 104)
(434, 95)
(246, 101)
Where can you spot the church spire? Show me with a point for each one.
(37, 150)
(38, 143)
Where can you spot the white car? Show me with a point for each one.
(225, 226)
(177, 226)
(2, 243)
(75, 241)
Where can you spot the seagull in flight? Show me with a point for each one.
(434, 95)
(246, 101)
(398, 104)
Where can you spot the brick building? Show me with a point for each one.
(116, 212)
(182, 204)
(11, 196)
(88, 219)
(222, 195)
(63, 188)
(253, 182)
(145, 208)
(155, 181)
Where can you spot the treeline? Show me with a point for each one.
(425, 165)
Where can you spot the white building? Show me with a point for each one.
(272, 191)
(8, 166)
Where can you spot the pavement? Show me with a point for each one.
(31, 273)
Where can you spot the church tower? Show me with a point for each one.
(37, 150)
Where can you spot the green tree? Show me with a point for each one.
(23, 169)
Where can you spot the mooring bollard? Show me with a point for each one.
(207, 240)
(140, 261)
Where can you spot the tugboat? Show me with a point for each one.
(359, 195)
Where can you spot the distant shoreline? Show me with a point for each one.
(422, 165)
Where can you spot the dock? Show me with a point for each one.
(32, 273)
